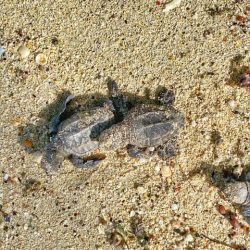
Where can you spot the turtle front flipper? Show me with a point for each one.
(84, 163)
(51, 160)
(119, 101)
(65, 98)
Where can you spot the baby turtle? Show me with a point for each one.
(76, 138)
(147, 128)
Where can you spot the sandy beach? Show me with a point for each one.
(196, 49)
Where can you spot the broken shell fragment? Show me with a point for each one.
(172, 5)
(23, 51)
(41, 59)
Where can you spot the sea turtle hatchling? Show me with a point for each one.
(146, 129)
(76, 138)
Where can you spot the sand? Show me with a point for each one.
(189, 49)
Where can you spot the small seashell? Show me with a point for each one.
(238, 192)
(172, 5)
(41, 59)
(23, 51)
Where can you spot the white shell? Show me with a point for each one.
(238, 192)
(41, 59)
(23, 51)
(172, 5)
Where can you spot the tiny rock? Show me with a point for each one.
(174, 206)
(5, 177)
(189, 238)
(166, 171)
(141, 190)
(232, 104)
(157, 168)
(23, 51)
(37, 156)
(132, 213)
(222, 209)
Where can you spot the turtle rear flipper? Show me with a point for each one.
(84, 163)
(134, 151)
(51, 161)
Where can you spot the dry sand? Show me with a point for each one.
(189, 49)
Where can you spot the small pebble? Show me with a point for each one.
(174, 206)
(37, 156)
(41, 59)
(157, 168)
(6, 218)
(232, 104)
(5, 177)
(141, 190)
(2, 52)
(189, 238)
(132, 213)
(23, 52)
(166, 171)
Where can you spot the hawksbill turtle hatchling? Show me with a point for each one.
(76, 137)
(147, 129)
